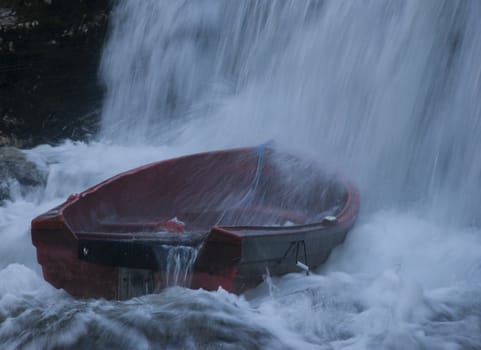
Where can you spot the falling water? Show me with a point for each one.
(178, 264)
(375, 86)
(387, 92)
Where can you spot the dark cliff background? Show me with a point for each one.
(49, 56)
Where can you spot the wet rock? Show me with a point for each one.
(16, 168)
(49, 57)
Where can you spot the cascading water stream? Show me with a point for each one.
(386, 92)
(180, 262)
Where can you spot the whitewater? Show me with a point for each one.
(386, 92)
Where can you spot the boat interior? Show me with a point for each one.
(192, 194)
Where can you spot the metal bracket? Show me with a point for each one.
(297, 246)
(304, 266)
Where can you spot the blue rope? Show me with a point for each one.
(260, 152)
(249, 196)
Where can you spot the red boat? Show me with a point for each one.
(230, 216)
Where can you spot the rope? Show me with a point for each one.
(260, 152)
(248, 198)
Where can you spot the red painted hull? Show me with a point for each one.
(248, 211)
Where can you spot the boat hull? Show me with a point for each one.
(109, 261)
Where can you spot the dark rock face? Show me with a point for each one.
(49, 55)
(14, 166)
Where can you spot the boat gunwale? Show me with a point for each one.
(346, 215)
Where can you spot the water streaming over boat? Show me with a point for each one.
(179, 263)
(387, 92)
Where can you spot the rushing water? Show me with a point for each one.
(179, 263)
(387, 92)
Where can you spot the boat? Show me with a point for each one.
(224, 219)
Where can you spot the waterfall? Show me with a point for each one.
(386, 90)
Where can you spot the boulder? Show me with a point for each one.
(14, 166)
